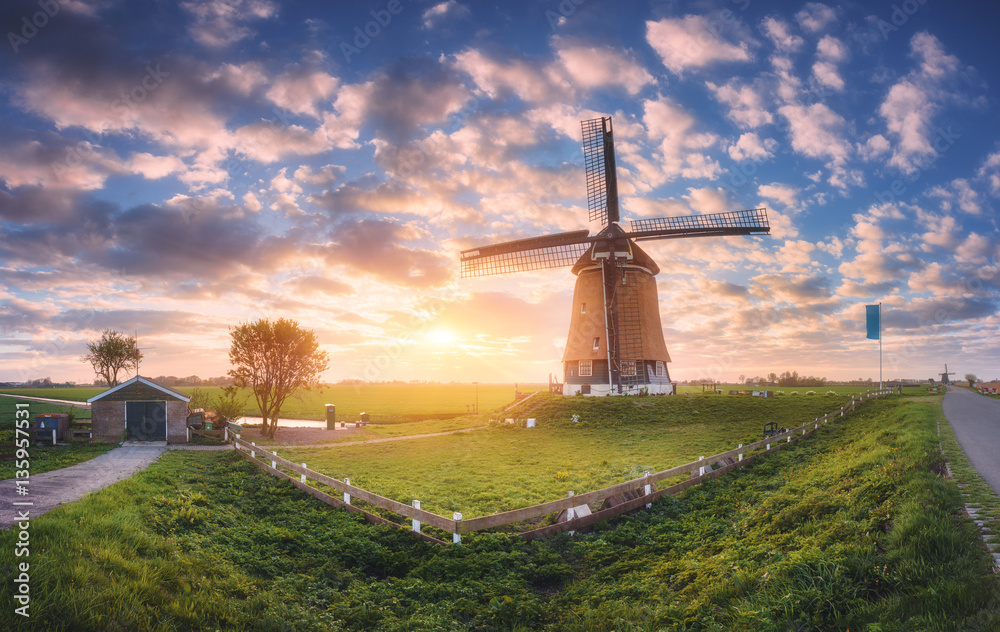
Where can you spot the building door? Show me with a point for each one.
(146, 421)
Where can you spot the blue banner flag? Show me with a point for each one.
(873, 316)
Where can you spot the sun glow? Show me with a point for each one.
(441, 337)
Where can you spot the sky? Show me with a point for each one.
(174, 169)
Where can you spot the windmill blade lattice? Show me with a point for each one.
(602, 175)
(748, 222)
(535, 253)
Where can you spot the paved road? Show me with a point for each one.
(976, 422)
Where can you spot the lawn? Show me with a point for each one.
(852, 529)
(616, 439)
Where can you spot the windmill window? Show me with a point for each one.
(628, 368)
(597, 343)
(583, 308)
(661, 369)
(586, 368)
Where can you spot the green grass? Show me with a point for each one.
(503, 468)
(852, 529)
(386, 402)
(46, 457)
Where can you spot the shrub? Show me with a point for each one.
(810, 392)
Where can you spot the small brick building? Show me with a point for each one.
(140, 410)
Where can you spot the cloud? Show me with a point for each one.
(673, 127)
(50, 160)
(751, 147)
(746, 107)
(591, 67)
(815, 17)
(692, 43)
(910, 105)
(829, 52)
(155, 167)
(778, 32)
(450, 9)
(518, 77)
(302, 90)
(784, 194)
(218, 23)
(376, 247)
(312, 285)
(817, 131)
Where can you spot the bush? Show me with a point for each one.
(810, 392)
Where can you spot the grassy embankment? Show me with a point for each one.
(853, 529)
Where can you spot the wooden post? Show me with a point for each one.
(741, 454)
(570, 512)
(456, 538)
(701, 470)
(347, 497)
(273, 463)
(303, 476)
(648, 490)
(416, 523)
(188, 428)
(253, 453)
(768, 447)
(788, 439)
(53, 436)
(225, 433)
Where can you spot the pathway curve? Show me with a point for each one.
(976, 422)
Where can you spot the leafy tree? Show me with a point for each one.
(112, 354)
(274, 359)
(229, 405)
(972, 379)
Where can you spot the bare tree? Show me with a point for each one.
(112, 354)
(274, 359)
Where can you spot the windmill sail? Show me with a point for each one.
(535, 253)
(749, 222)
(602, 175)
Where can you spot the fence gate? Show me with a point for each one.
(146, 421)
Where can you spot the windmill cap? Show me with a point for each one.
(639, 256)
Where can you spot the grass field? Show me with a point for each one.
(386, 402)
(46, 457)
(617, 439)
(852, 529)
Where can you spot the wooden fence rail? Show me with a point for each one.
(729, 460)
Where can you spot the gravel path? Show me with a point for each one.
(51, 489)
(976, 422)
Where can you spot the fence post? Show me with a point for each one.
(456, 538)
(225, 432)
(253, 453)
(188, 428)
(701, 470)
(570, 512)
(303, 476)
(416, 523)
(648, 490)
(768, 447)
(53, 436)
(741, 454)
(274, 463)
(347, 497)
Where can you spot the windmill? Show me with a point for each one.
(615, 342)
(944, 376)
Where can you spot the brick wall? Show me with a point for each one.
(176, 422)
(107, 420)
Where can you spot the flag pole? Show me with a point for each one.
(880, 345)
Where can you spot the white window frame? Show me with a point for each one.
(586, 368)
(583, 308)
(597, 343)
(661, 369)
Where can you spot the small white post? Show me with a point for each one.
(570, 512)
(741, 454)
(701, 470)
(188, 434)
(768, 447)
(456, 538)
(347, 497)
(416, 523)
(53, 436)
(225, 432)
(302, 477)
(253, 453)
(274, 464)
(648, 490)
(788, 439)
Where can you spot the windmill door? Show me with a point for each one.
(146, 421)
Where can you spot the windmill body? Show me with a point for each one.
(615, 343)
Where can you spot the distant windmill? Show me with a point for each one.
(619, 348)
(944, 376)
